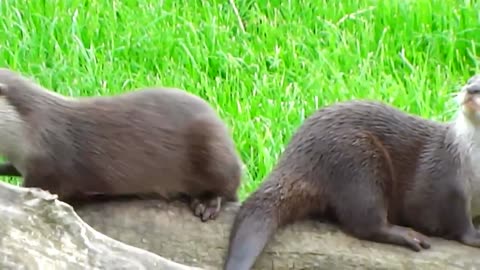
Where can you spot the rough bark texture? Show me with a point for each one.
(40, 232)
(172, 231)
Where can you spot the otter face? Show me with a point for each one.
(467, 127)
(469, 99)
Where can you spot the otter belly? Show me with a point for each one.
(475, 183)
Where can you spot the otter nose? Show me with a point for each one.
(473, 89)
(473, 85)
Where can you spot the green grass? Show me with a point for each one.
(291, 58)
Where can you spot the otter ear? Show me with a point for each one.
(3, 89)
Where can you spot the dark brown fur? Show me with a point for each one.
(382, 174)
(163, 142)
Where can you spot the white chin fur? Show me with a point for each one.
(460, 97)
(468, 135)
(475, 116)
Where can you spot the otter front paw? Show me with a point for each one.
(206, 209)
(416, 241)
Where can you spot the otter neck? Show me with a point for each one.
(13, 143)
(467, 135)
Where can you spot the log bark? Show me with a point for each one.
(40, 232)
(172, 231)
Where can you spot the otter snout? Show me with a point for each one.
(473, 88)
(470, 91)
(469, 99)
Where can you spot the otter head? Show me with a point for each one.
(469, 100)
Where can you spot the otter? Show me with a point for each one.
(379, 173)
(153, 141)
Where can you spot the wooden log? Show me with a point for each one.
(172, 231)
(40, 232)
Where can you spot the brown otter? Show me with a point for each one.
(160, 141)
(379, 173)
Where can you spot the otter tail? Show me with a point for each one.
(273, 205)
(252, 229)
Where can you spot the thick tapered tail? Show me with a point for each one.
(281, 200)
(252, 229)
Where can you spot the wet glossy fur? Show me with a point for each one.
(375, 170)
(150, 141)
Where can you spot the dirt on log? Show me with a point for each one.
(171, 231)
(39, 232)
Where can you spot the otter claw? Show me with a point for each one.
(206, 209)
